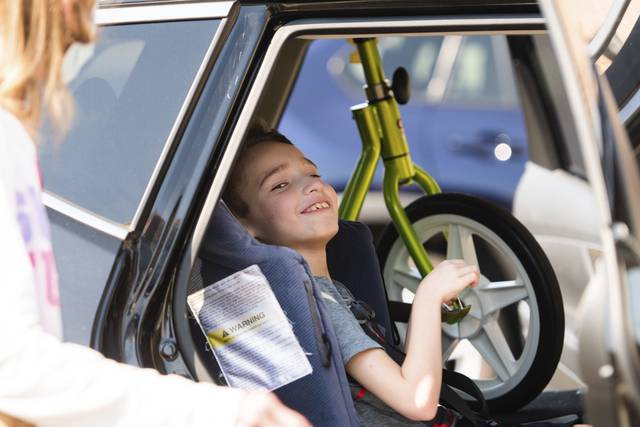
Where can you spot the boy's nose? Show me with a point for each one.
(313, 184)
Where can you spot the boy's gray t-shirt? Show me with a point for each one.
(352, 340)
(351, 337)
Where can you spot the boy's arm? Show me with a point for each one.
(413, 389)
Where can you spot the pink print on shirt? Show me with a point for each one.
(34, 226)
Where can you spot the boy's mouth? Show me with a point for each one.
(316, 207)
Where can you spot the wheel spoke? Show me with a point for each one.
(460, 244)
(448, 345)
(497, 295)
(407, 279)
(493, 347)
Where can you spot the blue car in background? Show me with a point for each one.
(463, 122)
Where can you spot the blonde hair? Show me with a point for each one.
(34, 36)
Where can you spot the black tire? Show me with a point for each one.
(537, 267)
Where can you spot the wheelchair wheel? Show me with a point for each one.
(518, 291)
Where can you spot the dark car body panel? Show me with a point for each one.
(131, 295)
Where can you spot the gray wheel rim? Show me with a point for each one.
(480, 327)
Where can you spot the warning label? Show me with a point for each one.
(223, 336)
(251, 338)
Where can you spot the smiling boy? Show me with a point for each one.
(279, 196)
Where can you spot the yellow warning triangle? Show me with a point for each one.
(219, 338)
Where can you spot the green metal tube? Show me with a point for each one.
(391, 143)
(379, 93)
(371, 62)
(360, 181)
(425, 181)
(430, 186)
(402, 223)
(395, 140)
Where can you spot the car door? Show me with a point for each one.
(609, 346)
(133, 89)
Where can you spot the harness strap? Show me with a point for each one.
(451, 399)
(461, 382)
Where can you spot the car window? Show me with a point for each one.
(84, 259)
(418, 55)
(464, 122)
(128, 92)
(475, 76)
(444, 69)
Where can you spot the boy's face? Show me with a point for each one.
(289, 204)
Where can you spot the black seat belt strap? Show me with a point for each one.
(468, 386)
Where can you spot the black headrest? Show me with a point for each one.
(352, 260)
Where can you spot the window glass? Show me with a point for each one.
(473, 75)
(443, 69)
(128, 92)
(464, 122)
(418, 55)
(84, 259)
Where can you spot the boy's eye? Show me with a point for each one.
(315, 175)
(279, 186)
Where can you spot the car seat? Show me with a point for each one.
(323, 397)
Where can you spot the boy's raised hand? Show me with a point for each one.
(449, 278)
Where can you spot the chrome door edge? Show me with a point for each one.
(161, 12)
(84, 217)
(602, 40)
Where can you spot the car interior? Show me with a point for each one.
(226, 248)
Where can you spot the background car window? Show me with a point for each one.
(128, 92)
(418, 55)
(463, 122)
(476, 76)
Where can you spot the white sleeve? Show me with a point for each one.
(50, 383)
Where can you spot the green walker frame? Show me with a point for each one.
(382, 134)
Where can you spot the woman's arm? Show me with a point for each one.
(413, 389)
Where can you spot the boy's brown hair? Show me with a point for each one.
(258, 133)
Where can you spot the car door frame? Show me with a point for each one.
(123, 328)
(527, 23)
(112, 237)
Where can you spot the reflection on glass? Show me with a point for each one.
(128, 90)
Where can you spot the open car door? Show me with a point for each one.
(609, 355)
